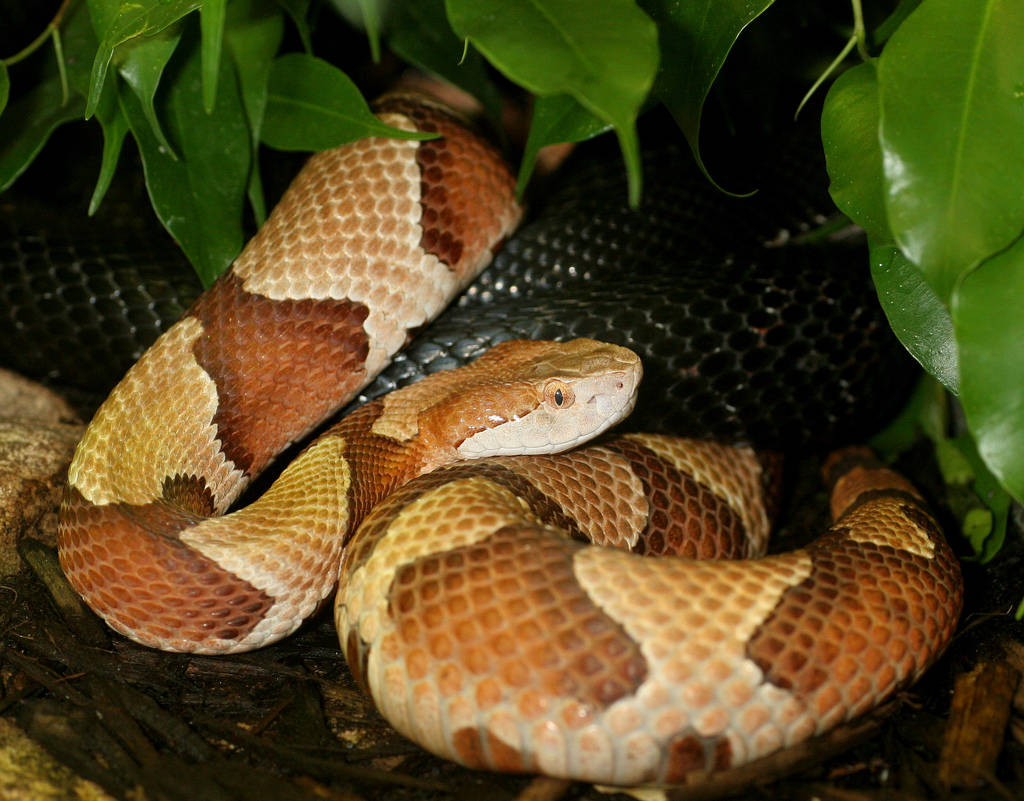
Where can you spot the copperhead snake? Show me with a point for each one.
(469, 605)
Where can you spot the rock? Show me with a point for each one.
(22, 398)
(28, 773)
(38, 434)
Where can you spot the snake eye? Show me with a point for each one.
(558, 394)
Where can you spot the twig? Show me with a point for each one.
(36, 43)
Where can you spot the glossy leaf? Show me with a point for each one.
(141, 62)
(118, 21)
(198, 197)
(556, 119)
(918, 318)
(604, 53)
(989, 330)
(695, 37)
(420, 34)
(211, 19)
(950, 82)
(253, 34)
(314, 106)
(853, 155)
(28, 123)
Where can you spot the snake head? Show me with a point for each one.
(534, 396)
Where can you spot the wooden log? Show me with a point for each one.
(976, 730)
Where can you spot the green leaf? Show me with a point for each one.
(371, 22)
(5, 87)
(314, 106)
(918, 318)
(420, 34)
(853, 155)
(211, 19)
(695, 37)
(118, 21)
(950, 80)
(115, 126)
(141, 62)
(79, 42)
(298, 10)
(198, 197)
(556, 119)
(989, 330)
(79, 51)
(952, 463)
(890, 24)
(254, 31)
(28, 123)
(602, 52)
(366, 16)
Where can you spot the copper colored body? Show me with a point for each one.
(472, 604)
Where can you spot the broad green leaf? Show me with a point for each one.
(556, 119)
(141, 62)
(298, 10)
(602, 52)
(5, 87)
(889, 25)
(211, 19)
(918, 318)
(314, 106)
(951, 119)
(989, 330)
(28, 123)
(849, 133)
(420, 34)
(695, 37)
(199, 196)
(254, 31)
(118, 21)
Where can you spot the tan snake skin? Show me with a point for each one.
(472, 604)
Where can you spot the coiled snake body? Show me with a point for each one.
(471, 605)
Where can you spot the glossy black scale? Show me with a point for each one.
(745, 334)
(79, 303)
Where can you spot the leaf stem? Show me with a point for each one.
(38, 42)
(58, 51)
(859, 32)
(824, 75)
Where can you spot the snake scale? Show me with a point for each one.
(475, 604)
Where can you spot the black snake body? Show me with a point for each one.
(751, 336)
